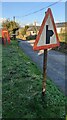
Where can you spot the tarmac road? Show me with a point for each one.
(55, 63)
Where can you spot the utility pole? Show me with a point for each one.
(14, 18)
(14, 31)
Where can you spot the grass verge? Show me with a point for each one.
(22, 85)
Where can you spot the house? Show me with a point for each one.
(61, 27)
(32, 30)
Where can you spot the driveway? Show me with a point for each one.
(55, 63)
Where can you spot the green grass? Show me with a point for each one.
(0, 80)
(22, 85)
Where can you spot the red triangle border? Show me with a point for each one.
(35, 47)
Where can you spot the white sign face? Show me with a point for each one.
(47, 36)
(42, 40)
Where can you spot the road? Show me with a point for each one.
(55, 63)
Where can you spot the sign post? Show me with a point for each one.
(46, 38)
(44, 72)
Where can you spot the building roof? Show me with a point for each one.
(62, 24)
(33, 28)
(58, 25)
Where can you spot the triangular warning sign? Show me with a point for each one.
(47, 36)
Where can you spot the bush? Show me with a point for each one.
(63, 37)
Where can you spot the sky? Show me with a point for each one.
(30, 0)
(19, 9)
